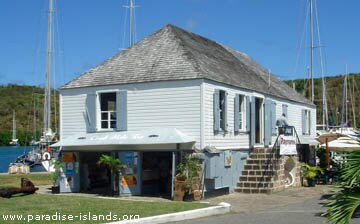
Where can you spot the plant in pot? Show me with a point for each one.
(115, 166)
(58, 167)
(188, 172)
(310, 173)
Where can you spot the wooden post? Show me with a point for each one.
(327, 154)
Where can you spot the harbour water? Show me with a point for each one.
(8, 154)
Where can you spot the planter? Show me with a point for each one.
(55, 189)
(179, 195)
(311, 182)
(180, 185)
(189, 197)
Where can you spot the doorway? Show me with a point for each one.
(156, 174)
(259, 120)
(95, 178)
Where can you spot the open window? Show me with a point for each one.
(239, 112)
(108, 110)
(220, 111)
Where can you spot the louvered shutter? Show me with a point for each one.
(225, 112)
(303, 122)
(267, 113)
(273, 118)
(90, 112)
(248, 109)
(216, 111)
(236, 113)
(252, 122)
(121, 110)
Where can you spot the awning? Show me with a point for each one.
(343, 144)
(149, 139)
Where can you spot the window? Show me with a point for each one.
(220, 119)
(222, 109)
(306, 122)
(239, 111)
(108, 110)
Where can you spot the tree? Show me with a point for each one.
(346, 202)
(115, 167)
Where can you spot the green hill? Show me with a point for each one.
(334, 96)
(21, 98)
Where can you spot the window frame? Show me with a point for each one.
(100, 112)
(242, 111)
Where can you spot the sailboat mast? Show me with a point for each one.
(346, 94)
(311, 50)
(131, 28)
(14, 126)
(47, 98)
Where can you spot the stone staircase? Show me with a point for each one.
(262, 173)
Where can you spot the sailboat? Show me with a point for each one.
(40, 158)
(14, 140)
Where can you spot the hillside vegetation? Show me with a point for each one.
(334, 96)
(21, 98)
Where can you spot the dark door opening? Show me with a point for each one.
(95, 179)
(258, 120)
(156, 174)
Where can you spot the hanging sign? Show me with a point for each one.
(287, 145)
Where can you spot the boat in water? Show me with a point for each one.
(41, 157)
(14, 140)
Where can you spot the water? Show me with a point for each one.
(9, 154)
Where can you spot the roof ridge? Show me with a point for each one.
(188, 55)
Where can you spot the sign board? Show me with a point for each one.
(129, 180)
(228, 158)
(287, 145)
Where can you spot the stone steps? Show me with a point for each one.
(261, 172)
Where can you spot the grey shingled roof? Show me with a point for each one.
(175, 54)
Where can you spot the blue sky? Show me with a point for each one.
(90, 31)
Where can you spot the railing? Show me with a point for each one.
(286, 131)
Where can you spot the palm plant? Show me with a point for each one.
(115, 167)
(346, 202)
(310, 172)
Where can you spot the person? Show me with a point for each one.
(281, 123)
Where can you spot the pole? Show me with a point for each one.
(47, 98)
(312, 51)
(131, 28)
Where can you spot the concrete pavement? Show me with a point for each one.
(295, 206)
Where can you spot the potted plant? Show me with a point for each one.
(59, 167)
(188, 172)
(115, 167)
(310, 172)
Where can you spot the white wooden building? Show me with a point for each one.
(176, 80)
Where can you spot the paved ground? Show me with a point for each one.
(295, 206)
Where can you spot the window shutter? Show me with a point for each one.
(248, 108)
(285, 110)
(121, 110)
(90, 112)
(225, 112)
(309, 130)
(236, 113)
(216, 111)
(303, 122)
(252, 121)
(267, 134)
(273, 118)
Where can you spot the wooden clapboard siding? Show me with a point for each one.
(229, 140)
(171, 104)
